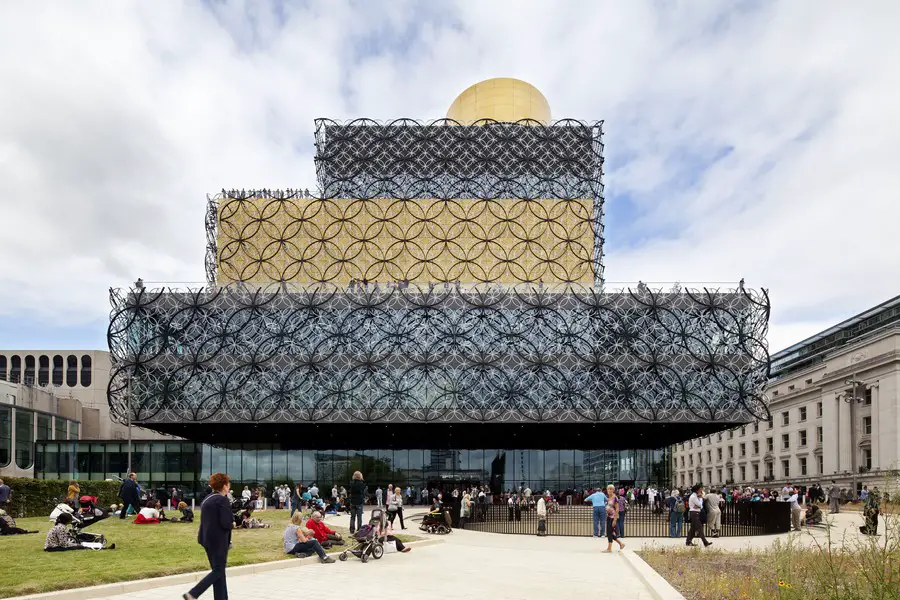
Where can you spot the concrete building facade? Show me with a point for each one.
(835, 415)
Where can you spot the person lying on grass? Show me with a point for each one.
(248, 521)
(60, 539)
(8, 525)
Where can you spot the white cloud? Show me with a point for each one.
(117, 119)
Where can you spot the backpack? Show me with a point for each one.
(679, 506)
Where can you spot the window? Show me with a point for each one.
(61, 428)
(756, 427)
(786, 468)
(818, 435)
(802, 465)
(43, 370)
(15, 369)
(2, 369)
(868, 397)
(691, 459)
(58, 370)
(29, 371)
(785, 418)
(718, 454)
(821, 464)
(802, 413)
(818, 409)
(730, 451)
(730, 474)
(743, 473)
(867, 425)
(691, 444)
(802, 437)
(731, 434)
(808, 381)
(71, 371)
(85, 371)
(719, 475)
(5, 434)
(770, 445)
(743, 430)
(867, 458)
(720, 436)
(24, 438)
(771, 422)
(709, 455)
(785, 441)
(44, 431)
(755, 446)
(755, 471)
(743, 450)
(790, 388)
(770, 470)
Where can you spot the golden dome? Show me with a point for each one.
(501, 99)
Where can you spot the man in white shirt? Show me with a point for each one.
(795, 509)
(378, 494)
(542, 514)
(314, 490)
(786, 492)
(695, 505)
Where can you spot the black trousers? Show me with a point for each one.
(215, 578)
(696, 529)
(133, 502)
(396, 513)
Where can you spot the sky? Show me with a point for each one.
(747, 139)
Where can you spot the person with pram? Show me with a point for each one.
(60, 538)
(301, 542)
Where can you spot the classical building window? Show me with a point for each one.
(867, 458)
(785, 418)
(770, 470)
(719, 475)
(743, 473)
(818, 409)
(718, 454)
(803, 437)
(58, 370)
(756, 427)
(802, 413)
(802, 465)
(818, 435)
(770, 422)
(86, 371)
(755, 471)
(743, 450)
(29, 378)
(15, 369)
(743, 430)
(868, 397)
(867, 425)
(786, 468)
(71, 371)
(43, 370)
(755, 446)
(785, 441)
(821, 464)
(770, 444)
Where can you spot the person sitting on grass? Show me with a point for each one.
(8, 525)
(187, 515)
(248, 521)
(323, 534)
(389, 537)
(60, 539)
(300, 542)
(150, 514)
(813, 515)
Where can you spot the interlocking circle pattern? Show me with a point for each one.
(444, 353)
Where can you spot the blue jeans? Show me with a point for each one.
(599, 521)
(675, 521)
(356, 512)
(308, 548)
(621, 524)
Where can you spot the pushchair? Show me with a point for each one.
(438, 521)
(80, 522)
(89, 512)
(369, 539)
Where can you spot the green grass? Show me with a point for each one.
(142, 551)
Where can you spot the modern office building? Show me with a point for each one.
(434, 312)
(835, 414)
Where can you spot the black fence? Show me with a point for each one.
(741, 519)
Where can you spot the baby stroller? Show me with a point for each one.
(80, 522)
(368, 541)
(438, 521)
(89, 512)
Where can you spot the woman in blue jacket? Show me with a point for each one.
(216, 523)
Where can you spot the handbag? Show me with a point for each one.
(390, 546)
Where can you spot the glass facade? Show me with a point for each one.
(188, 465)
(5, 435)
(24, 438)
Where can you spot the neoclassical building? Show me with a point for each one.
(835, 414)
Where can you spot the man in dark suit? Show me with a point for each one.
(130, 494)
(216, 523)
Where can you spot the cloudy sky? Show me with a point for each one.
(744, 139)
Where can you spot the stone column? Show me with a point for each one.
(876, 424)
(830, 433)
(844, 449)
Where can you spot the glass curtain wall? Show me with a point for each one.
(188, 466)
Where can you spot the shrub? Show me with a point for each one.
(38, 497)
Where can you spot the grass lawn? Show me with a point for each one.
(141, 551)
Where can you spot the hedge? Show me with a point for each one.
(38, 497)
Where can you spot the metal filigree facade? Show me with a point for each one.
(440, 274)
(439, 354)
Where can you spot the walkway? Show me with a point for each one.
(497, 566)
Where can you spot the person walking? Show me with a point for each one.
(216, 523)
(378, 495)
(834, 498)
(675, 504)
(871, 509)
(713, 512)
(622, 505)
(130, 494)
(598, 500)
(542, 515)
(357, 499)
(612, 519)
(395, 506)
(695, 505)
(795, 509)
